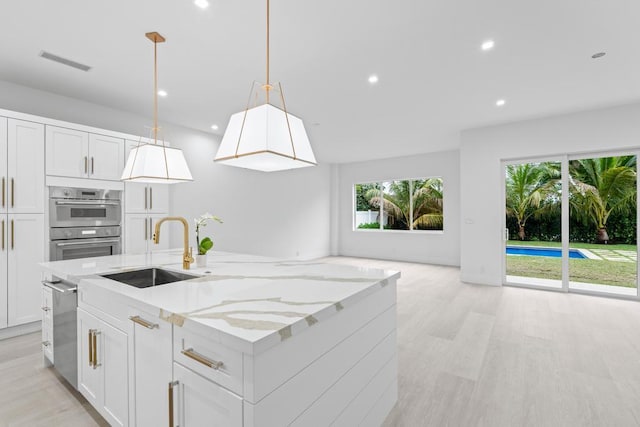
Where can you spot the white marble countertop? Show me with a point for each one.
(246, 302)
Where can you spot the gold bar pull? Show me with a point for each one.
(214, 364)
(146, 229)
(150, 197)
(86, 165)
(13, 192)
(95, 348)
(13, 235)
(3, 191)
(140, 321)
(3, 234)
(171, 386)
(146, 198)
(90, 347)
(92, 168)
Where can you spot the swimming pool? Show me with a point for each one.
(548, 252)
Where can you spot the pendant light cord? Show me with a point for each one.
(268, 87)
(155, 91)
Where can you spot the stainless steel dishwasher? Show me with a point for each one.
(65, 347)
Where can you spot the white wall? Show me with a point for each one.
(280, 214)
(433, 248)
(482, 151)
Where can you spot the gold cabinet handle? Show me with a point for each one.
(146, 229)
(214, 364)
(146, 198)
(95, 348)
(13, 235)
(90, 347)
(140, 321)
(86, 164)
(171, 386)
(13, 192)
(3, 234)
(150, 197)
(3, 191)
(92, 166)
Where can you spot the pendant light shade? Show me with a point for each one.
(265, 136)
(155, 162)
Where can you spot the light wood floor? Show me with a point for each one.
(468, 356)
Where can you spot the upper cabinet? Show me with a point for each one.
(21, 166)
(78, 154)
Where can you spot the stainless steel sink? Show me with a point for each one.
(148, 277)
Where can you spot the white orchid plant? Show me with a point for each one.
(205, 244)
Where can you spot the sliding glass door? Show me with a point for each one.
(571, 224)
(533, 231)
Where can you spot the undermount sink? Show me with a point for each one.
(148, 277)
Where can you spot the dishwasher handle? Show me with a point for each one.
(60, 286)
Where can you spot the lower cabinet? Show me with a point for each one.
(102, 368)
(197, 401)
(47, 323)
(139, 229)
(150, 368)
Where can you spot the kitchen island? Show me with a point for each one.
(250, 341)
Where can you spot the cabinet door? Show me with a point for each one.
(67, 152)
(89, 377)
(150, 364)
(159, 198)
(136, 197)
(165, 235)
(3, 165)
(26, 240)
(3, 270)
(106, 157)
(112, 358)
(136, 233)
(25, 167)
(197, 399)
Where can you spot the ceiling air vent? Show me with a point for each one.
(64, 61)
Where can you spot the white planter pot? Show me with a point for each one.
(201, 261)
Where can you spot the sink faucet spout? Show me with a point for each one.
(187, 255)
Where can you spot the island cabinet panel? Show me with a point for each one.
(374, 342)
(47, 323)
(102, 368)
(202, 355)
(150, 368)
(199, 402)
(270, 369)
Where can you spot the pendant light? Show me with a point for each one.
(155, 162)
(265, 136)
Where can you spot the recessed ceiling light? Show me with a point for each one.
(214, 127)
(598, 55)
(373, 79)
(488, 45)
(500, 102)
(202, 4)
(162, 93)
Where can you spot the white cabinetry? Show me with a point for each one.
(144, 205)
(197, 399)
(22, 233)
(150, 368)
(102, 368)
(79, 154)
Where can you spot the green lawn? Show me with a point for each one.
(580, 270)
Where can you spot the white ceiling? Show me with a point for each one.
(434, 78)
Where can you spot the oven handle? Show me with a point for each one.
(101, 242)
(56, 287)
(58, 202)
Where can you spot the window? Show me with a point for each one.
(407, 204)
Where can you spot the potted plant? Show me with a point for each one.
(206, 243)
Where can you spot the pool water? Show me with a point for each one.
(548, 252)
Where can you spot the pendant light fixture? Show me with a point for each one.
(155, 162)
(265, 136)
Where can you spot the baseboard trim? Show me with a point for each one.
(15, 331)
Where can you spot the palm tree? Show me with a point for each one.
(422, 198)
(600, 187)
(531, 190)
